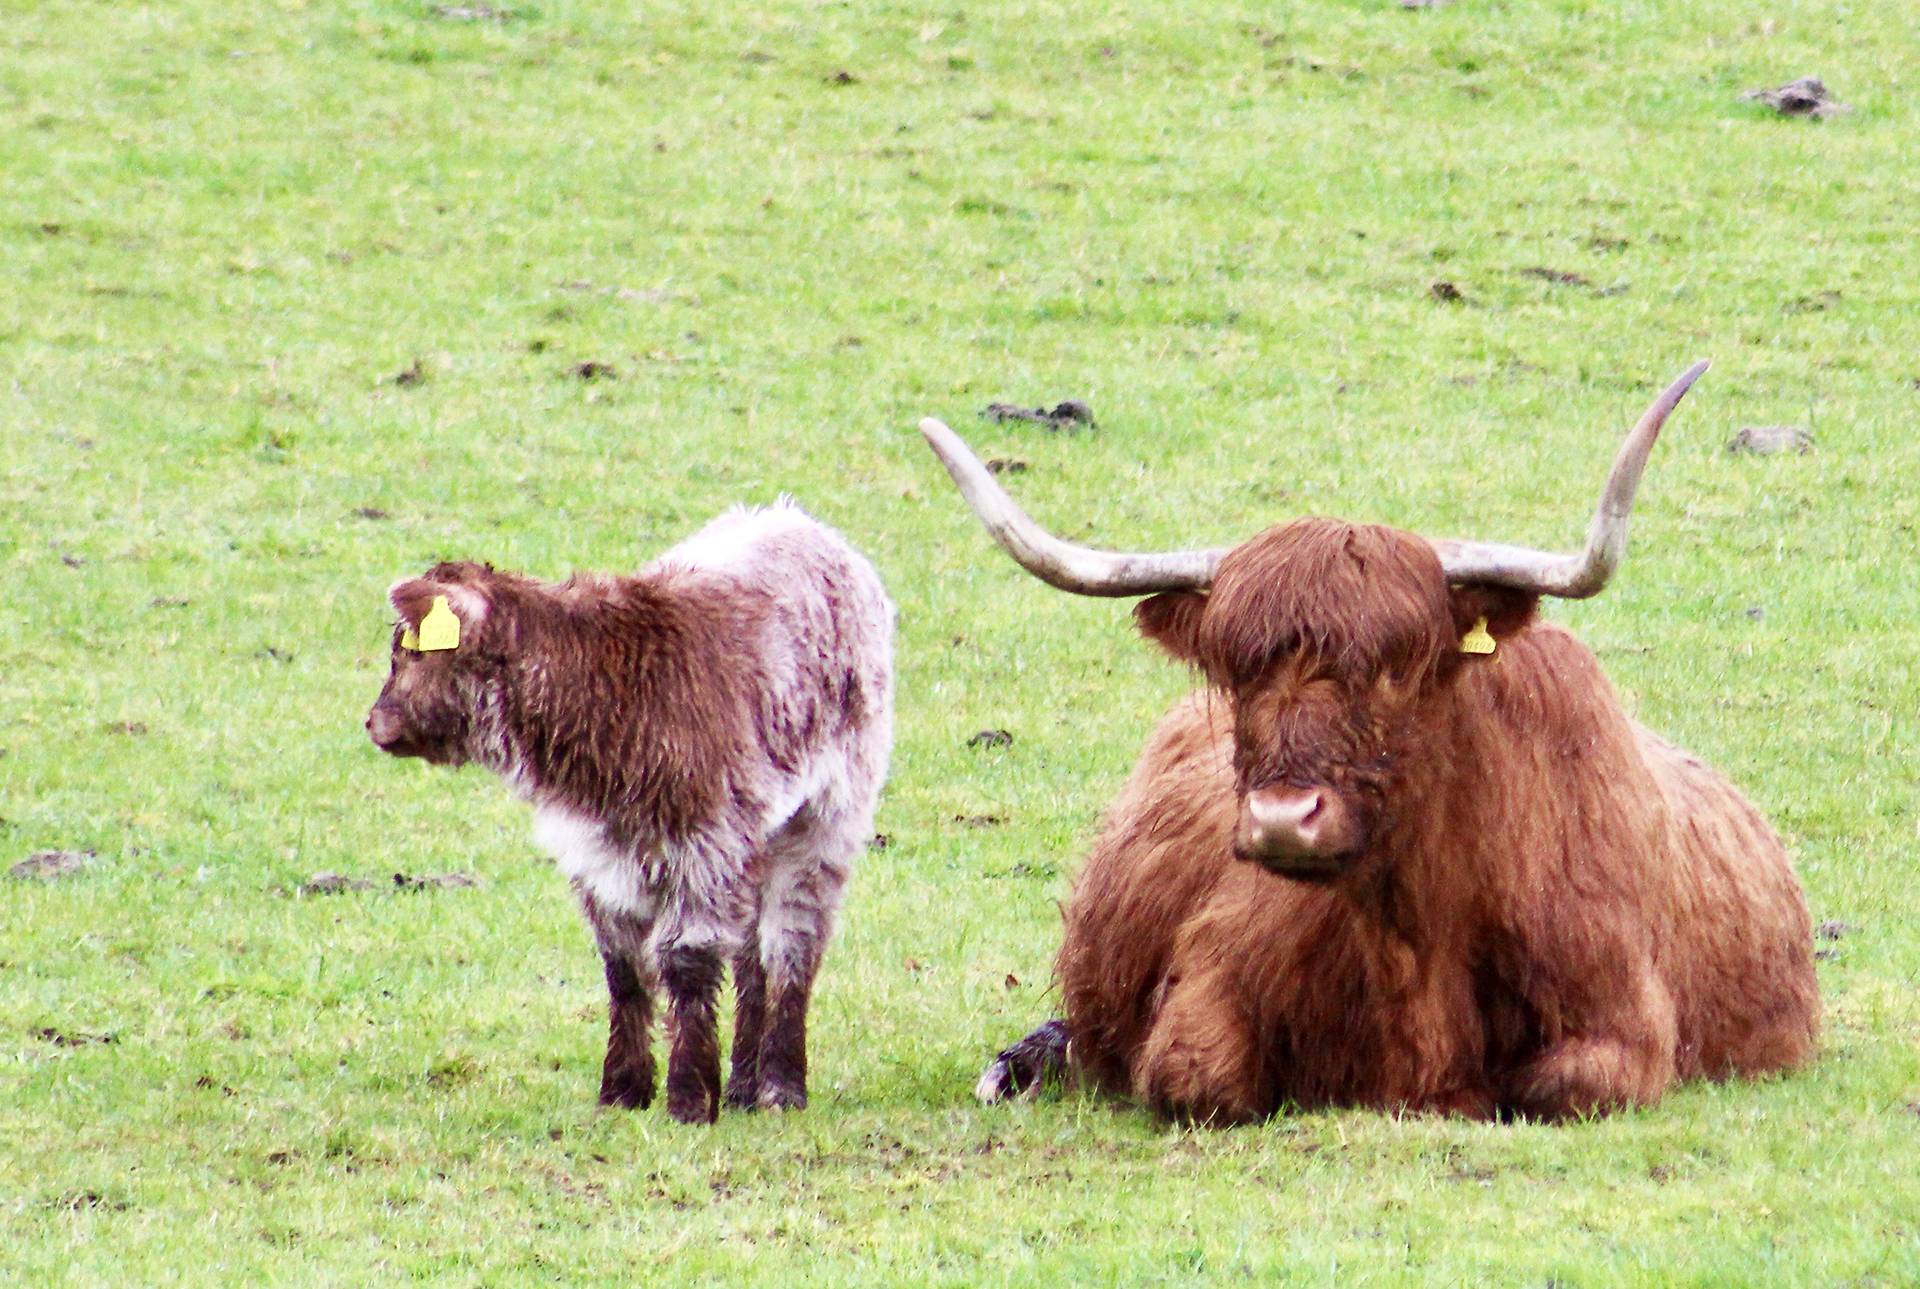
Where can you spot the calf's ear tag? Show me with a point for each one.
(410, 639)
(1477, 640)
(439, 629)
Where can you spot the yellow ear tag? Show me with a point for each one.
(439, 629)
(1477, 640)
(410, 639)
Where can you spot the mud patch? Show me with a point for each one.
(333, 884)
(371, 512)
(1771, 440)
(1446, 292)
(980, 821)
(1069, 414)
(47, 865)
(1006, 465)
(593, 369)
(72, 1038)
(991, 738)
(1807, 96)
(413, 374)
(1559, 277)
(1833, 929)
(434, 881)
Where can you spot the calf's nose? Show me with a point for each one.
(383, 727)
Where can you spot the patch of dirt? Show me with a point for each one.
(333, 884)
(842, 77)
(207, 1081)
(593, 369)
(434, 881)
(880, 841)
(371, 512)
(46, 865)
(991, 738)
(1006, 465)
(1559, 277)
(1807, 96)
(168, 602)
(1012, 981)
(1755, 613)
(130, 728)
(1600, 242)
(1771, 440)
(1818, 302)
(411, 375)
(71, 1038)
(980, 821)
(1069, 414)
(1446, 292)
(1832, 929)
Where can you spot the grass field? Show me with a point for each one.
(789, 231)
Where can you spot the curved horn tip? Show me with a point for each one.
(930, 426)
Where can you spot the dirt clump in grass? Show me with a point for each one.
(1070, 414)
(1807, 96)
(1006, 465)
(1770, 440)
(593, 369)
(1446, 292)
(413, 374)
(1559, 277)
(47, 865)
(991, 738)
(434, 881)
(71, 1037)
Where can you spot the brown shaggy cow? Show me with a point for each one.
(1407, 851)
(703, 744)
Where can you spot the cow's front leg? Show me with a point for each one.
(1199, 1063)
(1622, 1057)
(692, 974)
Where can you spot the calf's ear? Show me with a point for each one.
(411, 597)
(1172, 621)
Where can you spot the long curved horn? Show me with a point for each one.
(1573, 577)
(1079, 569)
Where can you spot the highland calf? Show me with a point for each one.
(1407, 851)
(703, 744)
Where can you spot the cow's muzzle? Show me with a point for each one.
(388, 730)
(1304, 833)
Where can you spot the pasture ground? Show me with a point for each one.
(789, 230)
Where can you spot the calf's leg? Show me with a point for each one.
(1026, 1067)
(806, 876)
(691, 973)
(627, 1071)
(749, 1021)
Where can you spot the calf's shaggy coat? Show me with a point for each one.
(703, 743)
(1366, 867)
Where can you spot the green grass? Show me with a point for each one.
(226, 228)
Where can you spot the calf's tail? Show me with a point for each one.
(1023, 1069)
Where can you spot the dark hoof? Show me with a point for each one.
(628, 1089)
(694, 1109)
(779, 1096)
(1023, 1069)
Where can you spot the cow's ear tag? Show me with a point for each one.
(439, 629)
(410, 639)
(1477, 640)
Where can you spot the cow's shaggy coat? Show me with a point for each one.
(703, 743)
(1364, 867)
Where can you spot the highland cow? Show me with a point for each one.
(703, 744)
(1406, 851)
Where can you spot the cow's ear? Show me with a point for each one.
(1172, 621)
(1505, 611)
(411, 598)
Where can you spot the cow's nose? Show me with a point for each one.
(383, 727)
(1297, 831)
